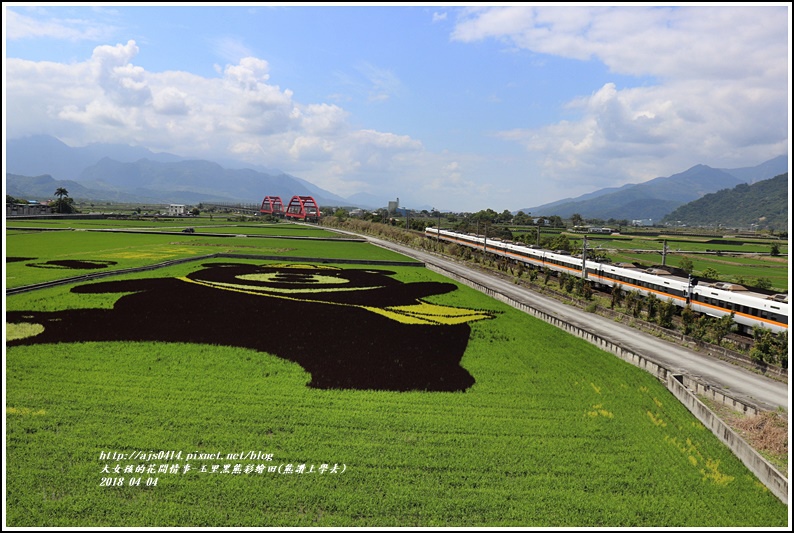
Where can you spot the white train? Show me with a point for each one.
(750, 308)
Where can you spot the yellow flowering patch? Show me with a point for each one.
(274, 291)
(598, 410)
(427, 313)
(597, 389)
(142, 255)
(23, 411)
(277, 277)
(657, 421)
(657, 402)
(687, 448)
(154, 253)
(421, 313)
(22, 330)
(711, 472)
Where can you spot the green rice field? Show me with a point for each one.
(129, 250)
(728, 268)
(551, 431)
(754, 262)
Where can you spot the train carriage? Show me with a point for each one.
(749, 308)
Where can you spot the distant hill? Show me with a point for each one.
(188, 182)
(368, 201)
(29, 187)
(764, 203)
(39, 164)
(658, 197)
(42, 154)
(121, 173)
(764, 171)
(564, 204)
(43, 188)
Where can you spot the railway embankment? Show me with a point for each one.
(685, 388)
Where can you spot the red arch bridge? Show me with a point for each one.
(299, 208)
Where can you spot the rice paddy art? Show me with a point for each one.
(349, 328)
(73, 264)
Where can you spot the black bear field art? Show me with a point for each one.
(348, 328)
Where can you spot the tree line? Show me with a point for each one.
(64, 204)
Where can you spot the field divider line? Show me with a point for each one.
(291, 237)
(97, 275)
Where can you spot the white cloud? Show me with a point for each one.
(667, 42)
(720, 94)
(311, 149)
(230, 49)
(322, 119)
(171, 101)
(480, 23)
(122, 82)
(371, 152)
(716, 92)
(18, 26)
(250, 74)
(373, 83)
(383, 83)
(640, 134)
(240, 114)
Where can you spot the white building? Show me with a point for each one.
(177, 209)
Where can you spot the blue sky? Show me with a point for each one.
(456, 106)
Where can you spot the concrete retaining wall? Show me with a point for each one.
(683, 388)
(767, 473)
(703, 389)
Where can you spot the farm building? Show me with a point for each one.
(177, 209)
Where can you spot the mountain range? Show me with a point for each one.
(37, 165)
(658, 197)
(763, 205)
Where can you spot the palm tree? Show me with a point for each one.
(60, 192)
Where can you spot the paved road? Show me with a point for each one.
(733, 380)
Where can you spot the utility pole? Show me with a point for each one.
(584, 257)
(664, 252)
(691, 282)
